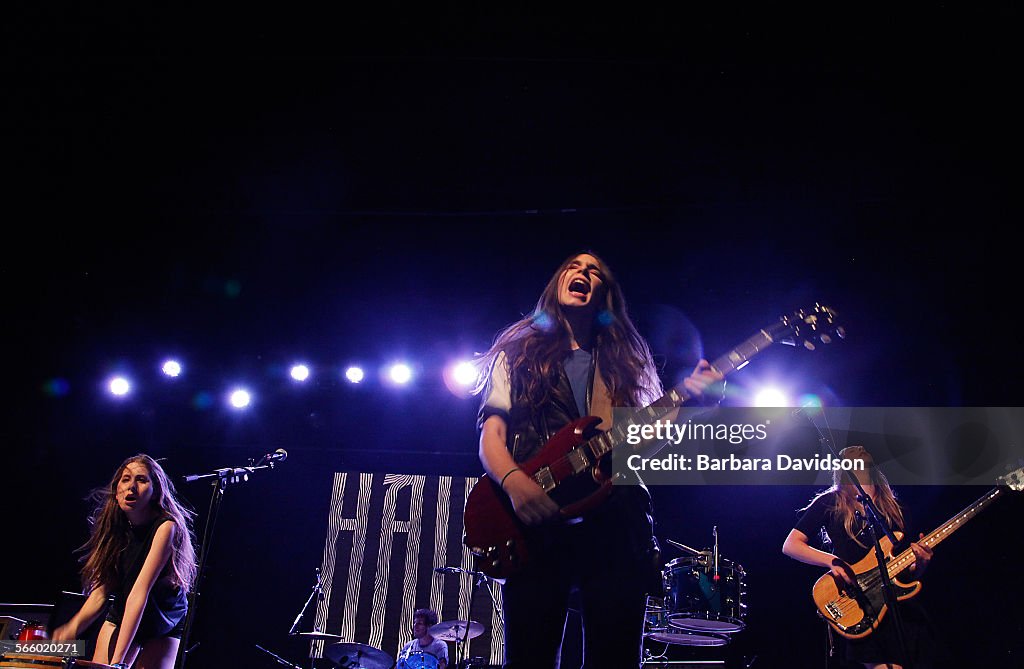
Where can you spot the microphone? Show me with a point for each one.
(448, 570)
(280, 455)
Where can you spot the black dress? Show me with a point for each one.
(822, 522)
(167, 604)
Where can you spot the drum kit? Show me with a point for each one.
(350, 655)
(702, 603)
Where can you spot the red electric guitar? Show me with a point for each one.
(571, 466)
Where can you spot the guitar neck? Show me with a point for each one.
(937, 536)
(732, 361)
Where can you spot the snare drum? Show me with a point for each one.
(696, 602)
(417, 660)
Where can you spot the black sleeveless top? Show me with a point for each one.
(167, 603)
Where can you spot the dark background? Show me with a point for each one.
(246, 187)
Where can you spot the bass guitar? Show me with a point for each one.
(572, 466)
(857, 613)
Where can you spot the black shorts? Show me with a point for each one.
(147, 629)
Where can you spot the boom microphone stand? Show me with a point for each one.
(877, 527)
(479, 579)
(220, 479)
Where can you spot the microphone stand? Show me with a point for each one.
(220, 479)
(479, 578)
(877, 527)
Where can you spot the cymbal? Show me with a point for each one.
(455, 630)
(320, 636)
(358, 656)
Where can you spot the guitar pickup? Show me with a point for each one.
(544, 479)
(579, 461)
(833, 610)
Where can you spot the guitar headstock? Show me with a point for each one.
(808, 327)
(1014, 480)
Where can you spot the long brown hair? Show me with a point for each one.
(846, 493)
(538, 342)
(111, 530)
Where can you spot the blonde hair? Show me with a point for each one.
(846, 494)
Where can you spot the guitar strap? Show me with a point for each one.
(600, 399)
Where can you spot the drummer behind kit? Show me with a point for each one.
(703, 602)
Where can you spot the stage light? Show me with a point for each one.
(354, 374)
(239, 398)
(300, 372)
(400, 373)
(465, 374)
(171, 368)
(771, 397)
(461, 377)
(119, 386)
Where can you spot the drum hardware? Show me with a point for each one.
(704, 593)
(350, 655)
(456, 630)
(279, 659)
(697, 602)
(320, 636)
(33, 631)
(316, 593)
(657, 629)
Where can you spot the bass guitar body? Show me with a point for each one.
(856, 614)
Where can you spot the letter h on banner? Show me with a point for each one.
(386, 535)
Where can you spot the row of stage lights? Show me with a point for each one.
(460, 377)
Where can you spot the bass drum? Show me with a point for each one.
(417, 660)
(698, 602)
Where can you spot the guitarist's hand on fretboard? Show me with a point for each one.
(922, 556)
(705, 384)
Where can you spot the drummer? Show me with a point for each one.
(422, 641)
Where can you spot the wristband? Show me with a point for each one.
(514, 469)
